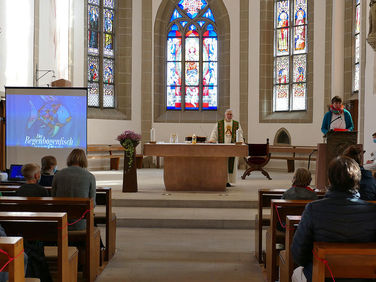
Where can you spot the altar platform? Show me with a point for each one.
(153, 206)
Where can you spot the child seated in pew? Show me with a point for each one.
(31, 172)
(49, 165)
(340, 217)
(300, 189)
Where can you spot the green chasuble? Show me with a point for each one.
(221, 139)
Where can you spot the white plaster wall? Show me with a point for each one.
(16, 43)
(301, 134)
(47, 42)
(369, 98)
(77, 56)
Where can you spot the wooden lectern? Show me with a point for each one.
(337, 142)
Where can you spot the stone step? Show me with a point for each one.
(168, 217)
(176, 203)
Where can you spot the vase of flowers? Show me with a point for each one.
(129, 140)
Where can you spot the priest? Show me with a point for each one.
(225, 132)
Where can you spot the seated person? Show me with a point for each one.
(300, 190)
(49, 164)
(75, 181)
(340, 217)
(31, 172)
(371, 163)
(367, 185)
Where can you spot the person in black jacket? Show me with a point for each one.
(31, 188)
(340, 217)
(367, 185)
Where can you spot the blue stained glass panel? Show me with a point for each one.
(192, 49)
(210, 33)
(192, 73)
(192, 27)
(173, 98)
(210, 74)
(201, 23)
(192, 7)
(210, 49)
(192, 98)
(175, 15)
(108, 20)
(174, 31)
(299, 68)
(281, 68)
(109, 4)
(282, 13)
(108, 45)
(210, 27)
(209, 98)
(300, 12)
(108, 71)
(94, 2)
(93, 42)
(93, 20)
(209, 15)
(183, 23)
(93, 68)
(174, 49)
(174, 73)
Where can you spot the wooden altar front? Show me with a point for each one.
(195, 167)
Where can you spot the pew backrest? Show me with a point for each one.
(13, 246)
(43, 226)
(345, 260)
(76, 208)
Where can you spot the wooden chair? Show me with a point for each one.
(258, 157)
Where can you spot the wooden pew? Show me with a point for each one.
(75, 208)
(290, 154)
(285, 207)
(108, 218)
(104, 197)
(264, 200)
(286, 261)
(346, 260)
(13, 246)
(44, 226)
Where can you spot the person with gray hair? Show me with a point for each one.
(225, 132)
(31, 172)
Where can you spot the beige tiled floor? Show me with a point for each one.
(162, 254)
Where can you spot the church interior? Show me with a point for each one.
(168, 71)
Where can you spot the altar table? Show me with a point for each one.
(195, 167)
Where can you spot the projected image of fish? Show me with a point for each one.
(52, 116)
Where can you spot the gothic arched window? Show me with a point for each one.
(290, 55)
(192, 57)
(356, 77)
(101, 54)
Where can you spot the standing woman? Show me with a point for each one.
(337, 117)
(75, 181)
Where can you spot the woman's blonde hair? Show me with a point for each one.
(77, 157)
(302, 177)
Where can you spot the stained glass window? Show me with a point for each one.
(356, 76)
(101, 53)
(192, 58)
(290, 55)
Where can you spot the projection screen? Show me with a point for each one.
(44, 121)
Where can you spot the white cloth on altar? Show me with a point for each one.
(231, 177)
